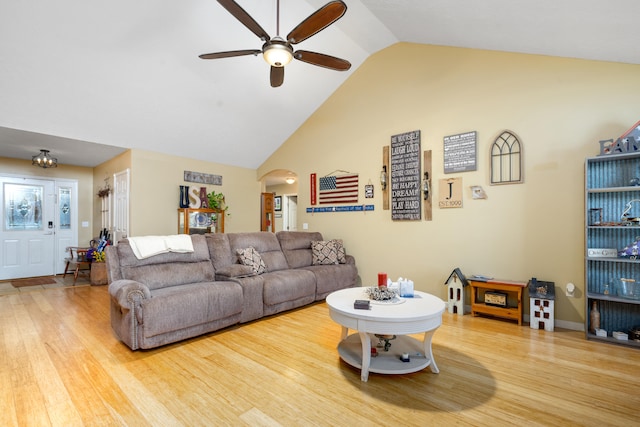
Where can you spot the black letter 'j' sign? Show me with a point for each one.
(450, 191)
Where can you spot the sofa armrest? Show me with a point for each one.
(350, 260)
(129, 294)
(234, 270)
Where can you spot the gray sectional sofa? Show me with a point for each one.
(173, 296)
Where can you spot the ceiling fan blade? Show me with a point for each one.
(241, 15)
(277, 76)
(322, 60)
(317, 21)
(230, 54)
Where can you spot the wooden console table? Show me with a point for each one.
(477, 307)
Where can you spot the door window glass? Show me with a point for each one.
(23, 206)
(64, 202)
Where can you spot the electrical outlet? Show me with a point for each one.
(305, 226)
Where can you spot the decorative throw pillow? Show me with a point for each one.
(342, 254)
(252, 258)
(324, 253)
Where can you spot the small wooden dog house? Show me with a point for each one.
(455, 291)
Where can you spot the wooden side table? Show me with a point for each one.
(509, 286)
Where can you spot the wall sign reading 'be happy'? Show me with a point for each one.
(405, 176)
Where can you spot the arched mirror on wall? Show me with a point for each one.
(506, 159)
(283, 184)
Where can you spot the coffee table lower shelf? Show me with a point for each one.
(387, 362)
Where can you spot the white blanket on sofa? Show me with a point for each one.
(148, 246)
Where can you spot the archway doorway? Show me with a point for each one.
(283, 184)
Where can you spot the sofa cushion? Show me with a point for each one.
(324, 253)
(128, 259)
(183, 306)
(288, 285)
(234, 270)
(331, 278)
(220, 250)
(250, 257)
(296, 246)
(328, 252)
(342, 254)
(265, 243)
(169, 269)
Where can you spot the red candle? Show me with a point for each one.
(382, 279)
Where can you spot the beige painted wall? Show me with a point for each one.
(155, 181)
(103, 174)
(84, 176)
(155, 193)
(560, 108)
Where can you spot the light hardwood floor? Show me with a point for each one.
(61, 365)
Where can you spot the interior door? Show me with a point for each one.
(291, 212)
(120, 206)
(27, 235)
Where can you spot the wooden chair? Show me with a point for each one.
(77, 262)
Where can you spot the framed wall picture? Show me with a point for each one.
(277, 203)
(450, 193)
(460, 152)
(368, 191)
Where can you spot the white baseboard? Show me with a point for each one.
(564, 324)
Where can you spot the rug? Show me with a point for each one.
(33, 281)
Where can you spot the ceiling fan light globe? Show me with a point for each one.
(277, 55)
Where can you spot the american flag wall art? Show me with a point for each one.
(338, 189)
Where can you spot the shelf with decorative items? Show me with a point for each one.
(612, 248)
(200, 221)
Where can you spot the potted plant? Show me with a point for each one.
(98, 268)
(216, 201)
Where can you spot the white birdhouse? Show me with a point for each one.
(455, 292)
(541, 304)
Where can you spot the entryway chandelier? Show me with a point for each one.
(44, 160)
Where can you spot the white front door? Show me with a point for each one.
(27, 235)
(67, 221)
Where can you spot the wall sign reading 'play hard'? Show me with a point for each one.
(460, 152)
(405, 176)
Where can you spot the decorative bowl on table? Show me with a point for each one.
(383, 295)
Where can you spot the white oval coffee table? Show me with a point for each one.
(423, 313)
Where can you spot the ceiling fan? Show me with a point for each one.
(277, 51)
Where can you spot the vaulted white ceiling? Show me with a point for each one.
(126, 74)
